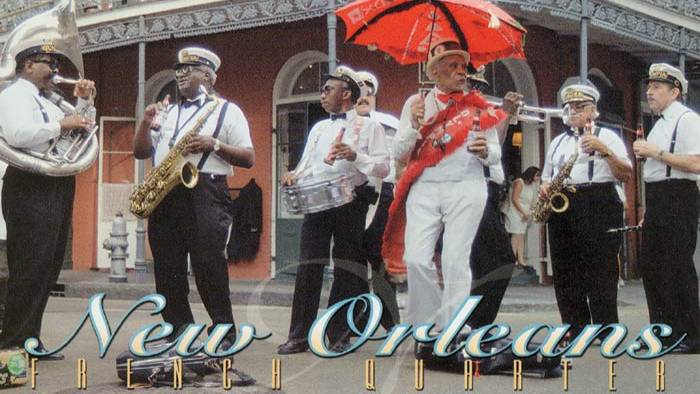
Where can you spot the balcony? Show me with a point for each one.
(648, 29)
(13, 12)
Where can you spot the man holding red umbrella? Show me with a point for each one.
(443, 187)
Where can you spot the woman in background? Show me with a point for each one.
(517, 210)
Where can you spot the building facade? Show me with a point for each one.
(274, 54)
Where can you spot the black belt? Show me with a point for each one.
(593, 185)
(213, 177)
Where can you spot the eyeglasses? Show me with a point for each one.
(186, 70)
(581, 107)
(52, 63)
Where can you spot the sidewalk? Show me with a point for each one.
(278, 292)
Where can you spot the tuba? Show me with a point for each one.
(75, 151)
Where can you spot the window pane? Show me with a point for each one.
(311, 79)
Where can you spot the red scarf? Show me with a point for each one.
(457, 120)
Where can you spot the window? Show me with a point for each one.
(311, 79)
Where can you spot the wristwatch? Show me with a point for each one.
(660, 154)
(217, 145)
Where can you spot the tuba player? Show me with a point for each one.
(37, 208)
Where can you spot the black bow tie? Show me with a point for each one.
(570, 131)
(186, 104)
(339, 116)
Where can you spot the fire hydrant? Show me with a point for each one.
(117, 244)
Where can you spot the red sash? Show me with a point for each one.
(457, 120)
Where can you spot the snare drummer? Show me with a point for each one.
(344, 145)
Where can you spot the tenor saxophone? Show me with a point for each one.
(174, 170)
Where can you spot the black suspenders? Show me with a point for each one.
(673, 142)
(217, 130)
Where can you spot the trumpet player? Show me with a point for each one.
(583, 253)
(372, 241)
(37, 208)
(672, 153)
(195, 221)
(491, 259)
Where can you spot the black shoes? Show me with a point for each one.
(293, 346)
(341, 346)
(51, 357)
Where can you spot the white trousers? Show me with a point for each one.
(431, 206)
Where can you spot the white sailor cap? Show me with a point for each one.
(579, 92)
(369, 84)
(196, 56)
(479, 76)
(349, 76)
(664, 72)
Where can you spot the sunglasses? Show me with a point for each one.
(186, 70)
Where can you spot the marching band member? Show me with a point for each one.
(672, 152)
(584, 254)
(353, 146)
(38, 209)
(372, 241)
(443, 187)
(195, 221)
(491, 258)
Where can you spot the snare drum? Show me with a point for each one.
(318, 194)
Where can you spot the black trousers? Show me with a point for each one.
(667, 268)
(372, 243)
(491, 261)
(38, 211)
(345, 225)
(195, 222)
(584, 256)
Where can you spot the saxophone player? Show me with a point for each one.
(37, 208)
(584, 255)
(195, 221)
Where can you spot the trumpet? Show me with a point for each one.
(59, 79)
(530, 114)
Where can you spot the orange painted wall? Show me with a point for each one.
(251, 61)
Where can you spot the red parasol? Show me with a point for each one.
(405, 29)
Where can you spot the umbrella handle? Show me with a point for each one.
(423, 93)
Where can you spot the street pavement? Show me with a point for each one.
(307, 373)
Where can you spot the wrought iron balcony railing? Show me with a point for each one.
(690, 8)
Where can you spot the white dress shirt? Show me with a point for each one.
(458, 166)
(22, 111)
(391, 124)
(563, 146)
(687, 141)
(362, 134)
(180, 120)
(496, 173)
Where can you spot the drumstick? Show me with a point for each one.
(329, 159)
